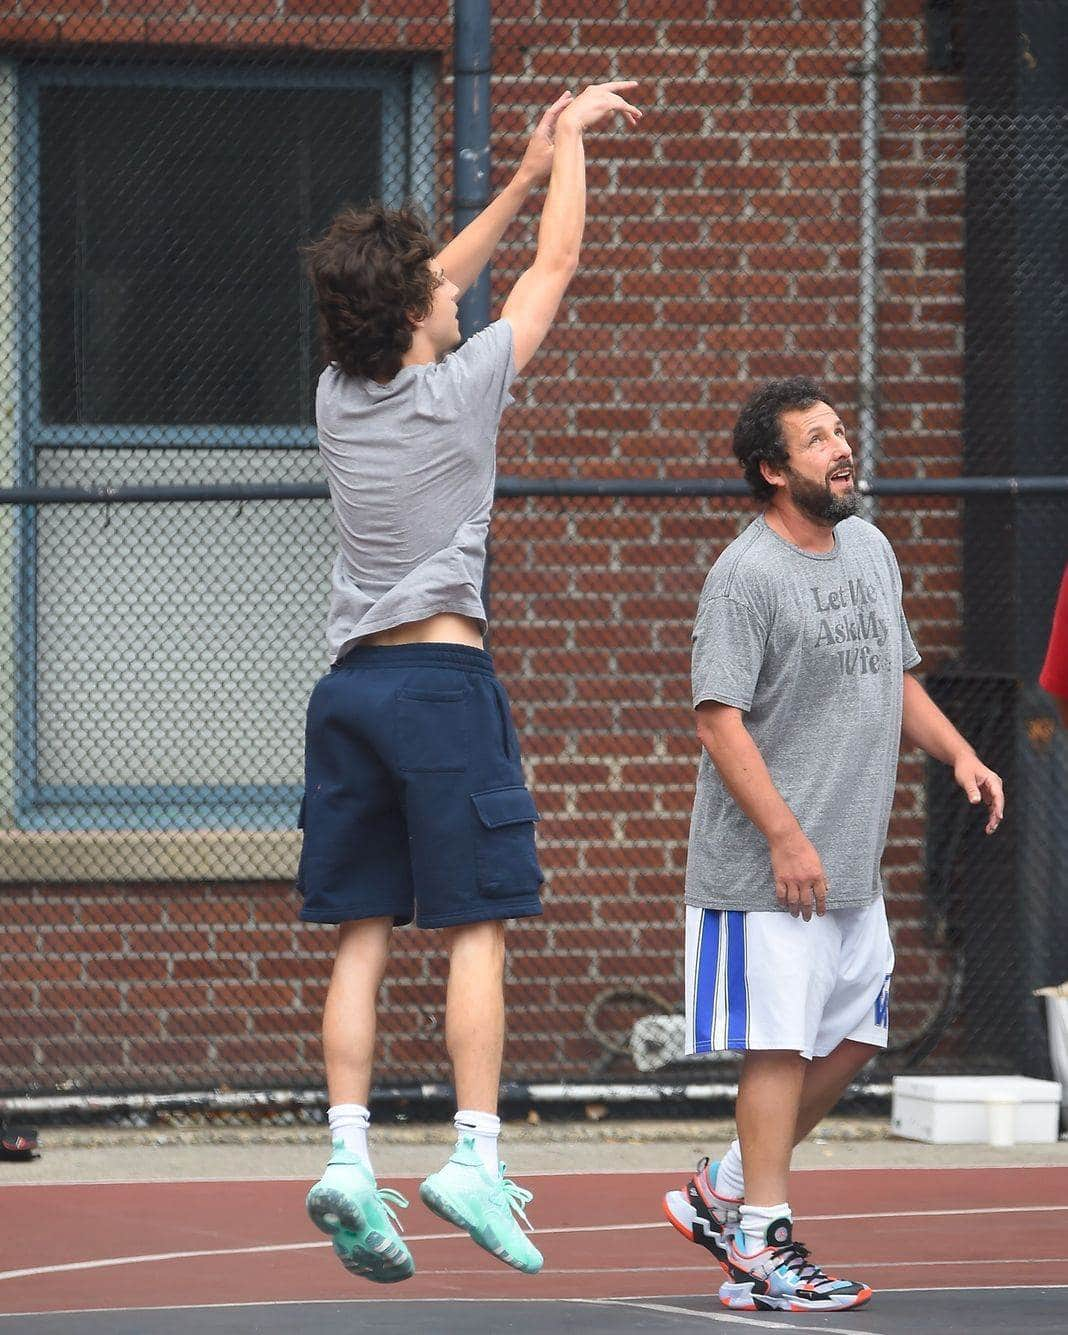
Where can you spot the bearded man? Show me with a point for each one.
(803, 692)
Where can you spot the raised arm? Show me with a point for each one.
(800, 881)
(466, 255)
(533, 302)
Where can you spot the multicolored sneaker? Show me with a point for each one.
(701, 1214)
(465, 1194)
(348, 1204)
(780, 1278)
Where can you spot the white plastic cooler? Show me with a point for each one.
(974, 1110)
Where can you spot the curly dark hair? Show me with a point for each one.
(372, 279)
(758, 432)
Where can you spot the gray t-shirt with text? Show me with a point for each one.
(411, 467)
(811, 647)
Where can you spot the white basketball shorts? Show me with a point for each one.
(769, 980)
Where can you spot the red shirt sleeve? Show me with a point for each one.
(1054, 676)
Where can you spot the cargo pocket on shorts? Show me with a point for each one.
(505, 859)
(432, 731)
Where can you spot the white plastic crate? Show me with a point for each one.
(975, 1110)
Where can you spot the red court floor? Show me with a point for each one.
(124, 1245)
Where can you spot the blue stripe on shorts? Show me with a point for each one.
(713, 922)
(737, 1009)
(705, 983)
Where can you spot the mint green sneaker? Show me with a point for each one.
(465, 1194)
(348, 1204)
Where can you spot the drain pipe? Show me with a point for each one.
(472, 60)
(867, 349)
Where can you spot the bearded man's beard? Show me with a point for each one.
(819, 502)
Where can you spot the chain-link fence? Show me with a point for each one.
(873, 194)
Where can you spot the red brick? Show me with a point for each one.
(208, 910)
(283, 1051)
(17, 943)
(254, 941)
(191, 1023)
(620, 39)
(655, 968)
(147, 1057)
(18, 1056)
(98, 28)
(591, 9)
(125, 1024)
(703, 34)
(200, 969)
(31, 31)
(597, 67)
(36, 969)
(291, 968)
(229, 8)
(508, 29)
(774, 93)
(144, 942)
(115, 913)
(167, 995)
(78, 1054)
(57, 911)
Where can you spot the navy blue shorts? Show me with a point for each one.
(414, 799)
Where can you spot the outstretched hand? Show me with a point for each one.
(537, 161)
(981, 784)
(600, 101)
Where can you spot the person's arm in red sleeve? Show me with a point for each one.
(1054, 675)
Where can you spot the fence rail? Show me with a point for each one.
(520, 486)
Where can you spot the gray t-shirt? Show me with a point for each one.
(411, 467)
(812, 647)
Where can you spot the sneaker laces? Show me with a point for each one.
(794, 1256)
(515, 1197)
(387, 1198)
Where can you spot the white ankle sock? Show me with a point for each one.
(754, 1224)
(729, 1179)
(485, 1127)
(349, 1123)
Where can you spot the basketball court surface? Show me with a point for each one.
(976, 1249)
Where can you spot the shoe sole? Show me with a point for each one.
(741, 1298)
(363, 1250)
(440, 1204)
(682, 1216)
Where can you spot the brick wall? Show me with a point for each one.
(721, 249)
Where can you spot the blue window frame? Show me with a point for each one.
(63, 392)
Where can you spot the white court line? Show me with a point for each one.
(533, 1172)
(106, 1262)
(967, 1288)
(722, 1318)
(356, 1302)
(1023, 1262)
(583, 1270)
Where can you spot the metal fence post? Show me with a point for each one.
(472, 59)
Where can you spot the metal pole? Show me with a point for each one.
(867, 371)
(472, 61)
(513, 487)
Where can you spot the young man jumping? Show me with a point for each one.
(803, 692)
(415, 803)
